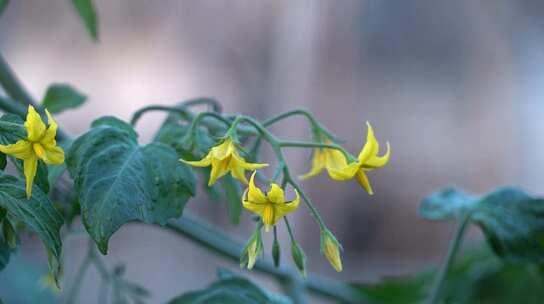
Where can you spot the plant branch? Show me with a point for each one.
(316, 126)
(446, 264)
(180, 109)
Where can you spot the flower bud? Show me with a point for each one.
(252, 250)
(331, 248)
(299, 258)
(276, 252)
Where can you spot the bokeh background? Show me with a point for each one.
(455, 86)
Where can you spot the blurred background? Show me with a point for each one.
(455, 86)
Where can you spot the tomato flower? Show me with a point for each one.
(272, 206)
(224, 158)
(337, 165)
(39, 144)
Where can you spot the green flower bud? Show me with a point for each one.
(299, 258)
(276, 252)
(252, 250)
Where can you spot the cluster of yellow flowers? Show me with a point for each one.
(272, 206)
(40, 144)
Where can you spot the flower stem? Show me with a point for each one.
(316, 126)
(440, 278)
(302, 144)
(180, 109)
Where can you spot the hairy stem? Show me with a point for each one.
(440, 277)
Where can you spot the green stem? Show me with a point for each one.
(180, 109)
(303, 144)
(316, 126)
(218, 242)
(440, 278)
(80, 274)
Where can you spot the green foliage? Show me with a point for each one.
(477, 278)
(118, 181)
(231, 289)
(3, 5)
(512, 220)
(60, 97)
(87, 12)
(37, 213)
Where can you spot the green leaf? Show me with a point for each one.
(112, 121)
(232, 193)
(37, 213)
(87, 12)
(395, 290)
(60, 97)
(3, 5)
(511, 220)
(118, 181)
(231, 289)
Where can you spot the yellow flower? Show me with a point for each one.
(224, 158)
(336, 164)
(39, 144)
(331, 249)
(271, 207)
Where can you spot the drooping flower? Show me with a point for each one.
(272, 206)
(331, 248)
(39, 144)
(224, 158)
(339, 168)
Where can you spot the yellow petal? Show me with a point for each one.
(22, 149)
(51, 132)
(268, 216)
(379, 161)
(318, 163)
(206, 161)
(238, 173)
(220, 167)
(254, 194)
(35, 128)
(371, 146)
(223, 150)
(275, 194)
(344, 173)
(363, 180)
(239, 161)
(53, 155)
(30, 165)
(253, 207)
(287, 207)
